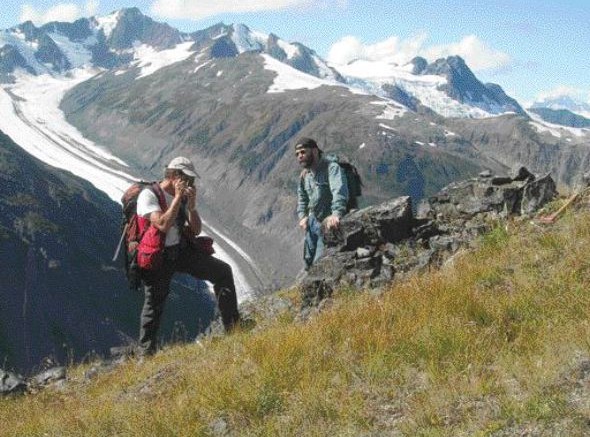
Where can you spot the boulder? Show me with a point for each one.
(49, 376)
(537, 193)
(11, 383)
(354, 252)
(520, 194)
(391, 221)
(522, 174)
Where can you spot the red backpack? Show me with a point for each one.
(144, 244)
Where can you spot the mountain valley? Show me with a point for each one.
(129, 94)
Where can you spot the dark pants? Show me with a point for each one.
(157, 286)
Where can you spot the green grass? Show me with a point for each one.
(484, 347)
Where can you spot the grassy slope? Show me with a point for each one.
(493, 344)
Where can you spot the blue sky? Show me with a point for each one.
(531, 48)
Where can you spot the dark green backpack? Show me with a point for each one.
(353, 180)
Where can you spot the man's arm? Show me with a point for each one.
(194, 219)
(165, 220)
(302, 203)
(339, 189)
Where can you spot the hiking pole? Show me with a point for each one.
(120, 242)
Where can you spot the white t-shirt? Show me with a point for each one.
(147, 202)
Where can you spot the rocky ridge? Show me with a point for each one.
(379, 243)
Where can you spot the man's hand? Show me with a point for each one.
(332, 222)
(179, 187)
(191, 197)
(303, 223)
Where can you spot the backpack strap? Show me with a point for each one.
(157, 190)
(155, 187)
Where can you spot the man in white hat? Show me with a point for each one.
(179, 254)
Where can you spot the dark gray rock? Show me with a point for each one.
(11, 383)
(49, 376)
(522, 174)
(11, 59)
(363, 252)
(355, 252)
(398, 94)
(519, 194)
(419, 64)
(49, 53)
(388, 222)
(537, 193)
(501, 180)
(133, 26)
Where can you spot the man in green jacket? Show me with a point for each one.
(322, 196)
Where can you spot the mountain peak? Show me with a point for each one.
(126, 26)
(246, 40)
(563, 101)
(118, 14)
(462, 85)
(447, 67)
(419, 64)
(133, 11)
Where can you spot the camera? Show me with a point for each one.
(190, 181)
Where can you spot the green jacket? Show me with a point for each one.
(322, 193)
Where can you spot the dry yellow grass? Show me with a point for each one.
(490, 345)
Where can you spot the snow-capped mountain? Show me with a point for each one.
(564, 102)
(561, 117)
(89, 42)
(128, 38)
(232, 40)
(446, 86)
(563, 110)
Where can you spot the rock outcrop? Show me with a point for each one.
(378, 243)
(12, 383)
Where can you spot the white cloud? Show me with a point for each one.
(474, 51)
(392, 50)
(190, 9)
(60, 12)
(67, 12)
(565, 91)
(92, 7)
(395, 50)
(325, 4)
